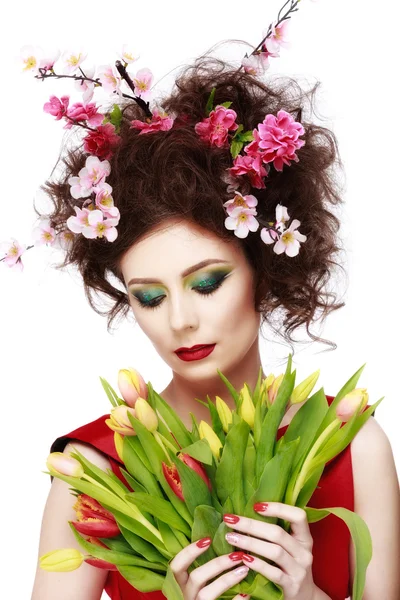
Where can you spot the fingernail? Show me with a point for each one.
(231, 519)
(260, 506)
(232, 538)
(247, 557)
(236, 556)
(241, 570)
(243, 595)
(204, 542)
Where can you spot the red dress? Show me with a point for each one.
(331, 536)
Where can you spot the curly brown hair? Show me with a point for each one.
(175, 175)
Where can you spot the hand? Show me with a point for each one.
(290, 551)
(195, 585)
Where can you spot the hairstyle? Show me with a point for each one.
(175, 175)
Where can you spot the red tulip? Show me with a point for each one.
(172, 476)
(93, 519)
(99, 562)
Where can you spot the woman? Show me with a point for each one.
(189, 281)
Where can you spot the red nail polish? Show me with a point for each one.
(260, 506)
(231, 519)
(203, 543)
(243, 595)
(247, 557)
(236, 556)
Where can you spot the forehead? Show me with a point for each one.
(175, 247)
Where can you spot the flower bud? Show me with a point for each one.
(119, 420)
(354, 401)
(247, 409)
(131, 385)
(65, 559)
(119, 444)
(146, 414)
(93, 519)
(206, 432)
(274, 387)
(224, 413)
(59, 462)
(303, 390)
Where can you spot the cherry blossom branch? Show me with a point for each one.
(45, 74)
(124, 74)
(279, 21)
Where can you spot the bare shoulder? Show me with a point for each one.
(377, 502)
(87, 582)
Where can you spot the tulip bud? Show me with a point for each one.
(119, 420)
(93, 519)
(206, 432)
(224, 413)
(98, 562)
(131, 385)
(354, 401)
(171, 474)
(65, 559)
(195, 465)
(119, 444)
(59, 462)
(274, 387)
(303, 390)
(247, 409)
(146, 414)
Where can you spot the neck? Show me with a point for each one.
(181, 393)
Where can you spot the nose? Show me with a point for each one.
(182, 312)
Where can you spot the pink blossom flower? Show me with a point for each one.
(102, 142)
(109, 78)
(127, 55)
(214, 128)
(143, 81)
(98, 227)
(57, 107)
(278, 37)
(86, 87)
(255, 64)
(12, 251)
(77, 224)
(160, 121)
(282, 216)
(290, 239)
(269, 236)
(72, 60)
(90, 177)
(105, 202)
(63, 240)
(252, 167)
(279, 139)
(242, 220)
(246, 201)
(84, 112)
(44, 233)
(31, 57)
(48, 59)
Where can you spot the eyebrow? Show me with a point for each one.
(185, 273)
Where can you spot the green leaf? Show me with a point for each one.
(201, 451)
(216, 421)
(143, 580)
(152, 449)
(210, 102)
(206, 523)
(168, 535)
(140, 530)
(171, 588)
(111, 394)
(116, 117)
(249, 470)
(194, 489)
(225, 104)
(182, 435)
(247, 136)
(162, 509)
(99, 475)
(361, 539)
(235, 148)
(219, 543)
(137, 469)
(229, 477)
(142, 547)
(134, 483)
(176, 502)
(231, 389)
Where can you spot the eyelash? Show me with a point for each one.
(206, 291)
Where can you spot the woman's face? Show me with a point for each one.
(173, 308)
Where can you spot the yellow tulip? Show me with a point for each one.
(303, 390)
(224, 413)
(131, 385)
(206, 432)
(274, 387)
(59, 462)
(247, 409)
(65, 559)
(119, 420)
(354, 401)
(146, 414)
(118, 443)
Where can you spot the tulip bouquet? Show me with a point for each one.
(176, 484)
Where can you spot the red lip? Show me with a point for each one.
(195, 353)
(183, 349)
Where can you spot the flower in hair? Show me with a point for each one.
(252, 167)
(72, 60)
(88, 112)
(105, 202)
(286, 240)
(109, 78)
(215, 127)
(160, 121)
(90, 177)
(44, 233)
(13, 251)
(142, 82)
(102, 142)
(242, 220)
(57, 107)
(278, 139)
(277, 37)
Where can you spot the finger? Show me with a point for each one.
(266, 531)
(200, 576)
(223, 583)
(185, 557)
(274, 552)
(294, 514)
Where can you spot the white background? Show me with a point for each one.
(54, 347)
